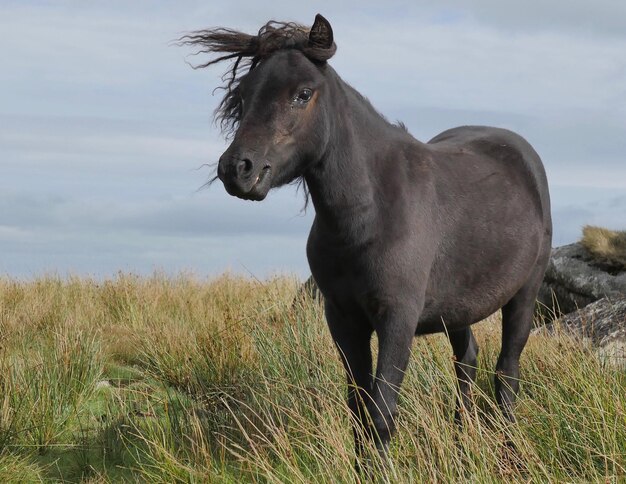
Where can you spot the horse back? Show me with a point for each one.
(507, 147)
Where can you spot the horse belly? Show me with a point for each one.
(465, 290)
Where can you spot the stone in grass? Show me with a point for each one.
(103, 384)
(308, 289)
(601, 324)
(581, 273)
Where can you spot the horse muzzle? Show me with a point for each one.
(244, 178)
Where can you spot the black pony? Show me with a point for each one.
(409, 238)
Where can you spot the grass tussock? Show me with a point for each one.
(606, 246)
(179, 379)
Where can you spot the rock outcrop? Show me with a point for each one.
(309, 290)
(575, 279)
(601, 324)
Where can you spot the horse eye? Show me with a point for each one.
(304, 96)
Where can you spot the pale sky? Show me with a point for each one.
(104, 128)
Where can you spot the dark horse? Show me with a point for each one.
(409, 238)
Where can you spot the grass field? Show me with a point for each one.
(186, 380)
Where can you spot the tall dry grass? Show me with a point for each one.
(179, 379)
(606, 246)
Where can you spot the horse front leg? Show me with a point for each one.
(395, 336)
(352, 337)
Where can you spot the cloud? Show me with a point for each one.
(606, 19)
(202, 214)
(574, 207)
(104, 256)
(101, 236)
(104, 125)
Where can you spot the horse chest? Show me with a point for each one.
(339, 276)
(357, 284)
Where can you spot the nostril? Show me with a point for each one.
(244, 167)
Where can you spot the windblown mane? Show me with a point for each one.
(245, 52)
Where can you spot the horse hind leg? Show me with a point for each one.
(465, 352)
(517, 317)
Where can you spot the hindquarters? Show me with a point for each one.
(515, 155)
(493, 225)
(507, 205)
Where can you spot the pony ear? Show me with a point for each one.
(320, 46)
(321, 34)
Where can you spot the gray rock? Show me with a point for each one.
(103, 384)
(308, 289)
(601, 324)
(573, 280)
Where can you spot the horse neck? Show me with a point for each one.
(343, 184)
